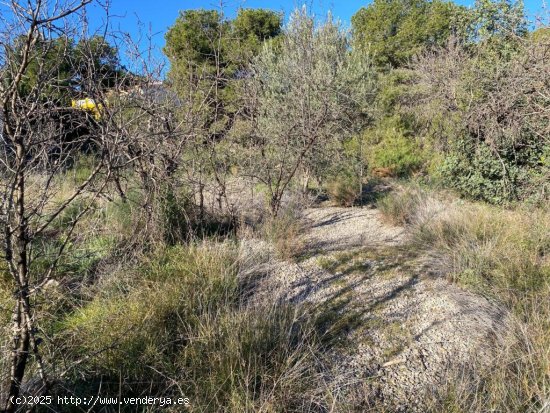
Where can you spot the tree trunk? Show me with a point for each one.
(19, 355)
(19, 260)
(306, 181)
(275, 205)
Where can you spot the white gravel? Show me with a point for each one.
(402, 328)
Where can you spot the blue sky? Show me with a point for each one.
(155, 16)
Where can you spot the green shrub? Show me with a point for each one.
(479, 175)
(401, 154)
(343, 189)
(393, 147)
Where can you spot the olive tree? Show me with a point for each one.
(305, 94)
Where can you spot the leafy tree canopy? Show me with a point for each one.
(194, 36)
(98, 61)
(256, 26)
(204, 38)
(395, 30)
(209, 56)
(498, 19)
(69, 68)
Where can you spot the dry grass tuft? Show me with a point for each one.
(504, 254)
(285, 233)
(178, 327)
(343, 190)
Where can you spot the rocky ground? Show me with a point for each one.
(395, 329)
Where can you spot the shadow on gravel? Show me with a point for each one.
(340, 313)
(336, 218)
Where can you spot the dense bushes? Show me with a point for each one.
(479, 175)
(394, 141)
(466, 104)
(482, 106)
(398, 153)
(475, 171)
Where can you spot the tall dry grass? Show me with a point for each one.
(503, 254)
(178, 326)
(170, 318)
(285, 232)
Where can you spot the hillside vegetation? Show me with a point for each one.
(290, 217)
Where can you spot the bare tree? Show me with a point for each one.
(43, 136)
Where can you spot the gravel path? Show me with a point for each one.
(334, 229)
(395, 328)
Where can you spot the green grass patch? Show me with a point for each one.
(178, 322)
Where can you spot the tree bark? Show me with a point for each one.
(21, 313)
